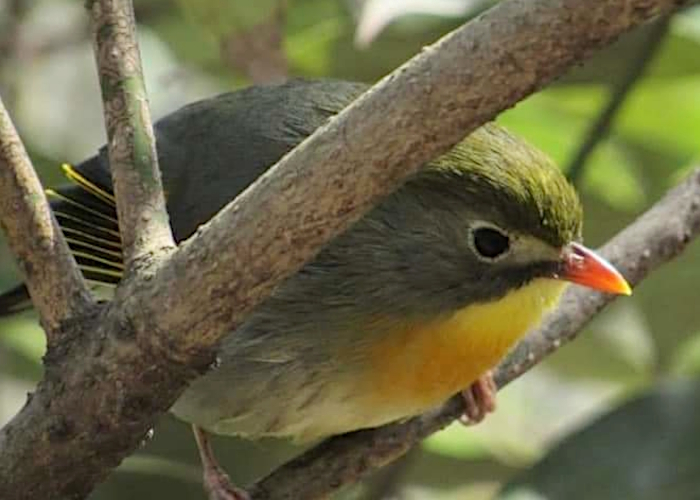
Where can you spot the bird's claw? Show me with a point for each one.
(479, 399)
(216, 481)
(219, 487)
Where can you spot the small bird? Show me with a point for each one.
(417, 301)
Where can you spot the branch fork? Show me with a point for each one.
(108, 378)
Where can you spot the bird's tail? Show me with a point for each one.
(86, 213)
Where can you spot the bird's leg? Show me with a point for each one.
(479, 399)
(216, 481)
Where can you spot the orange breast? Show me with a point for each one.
(420, 365)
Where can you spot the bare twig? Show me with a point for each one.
(659, 235)
(52, 276)
(143, 219)
(601, 127)
(103, 390)
(388, 482)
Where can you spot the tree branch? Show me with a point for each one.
(143, 219)
(130, 359)
(655, 238)
(51, 274)
(420, 111)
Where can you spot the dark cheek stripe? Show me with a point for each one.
(519, 277)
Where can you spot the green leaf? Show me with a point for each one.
(645, 450)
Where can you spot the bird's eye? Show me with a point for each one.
(490, 243)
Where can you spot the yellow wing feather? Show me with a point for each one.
(86, 184)
(59, 196)
(89, 222)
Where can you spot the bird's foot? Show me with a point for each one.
(479, 399)
(219, 487)
(216, 481)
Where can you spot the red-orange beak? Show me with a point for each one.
(584, 267)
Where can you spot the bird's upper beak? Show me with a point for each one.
(583, 266)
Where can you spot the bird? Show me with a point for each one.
(417, 301)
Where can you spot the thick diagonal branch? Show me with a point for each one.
(51, 274)
(131, 360)
(655, 238)
(143, 219)
(335, 176)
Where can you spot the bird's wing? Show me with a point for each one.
(87, 214)
(209, 151)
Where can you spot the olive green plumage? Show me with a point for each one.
(524, 180)
(414, 257)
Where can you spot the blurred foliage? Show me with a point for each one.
(220, 17)
(654, 458)
(48, 80)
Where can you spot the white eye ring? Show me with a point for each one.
(489, 242)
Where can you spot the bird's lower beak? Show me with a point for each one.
(583, 266)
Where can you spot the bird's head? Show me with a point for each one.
(489, 217)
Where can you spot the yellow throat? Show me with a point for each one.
(420, 366)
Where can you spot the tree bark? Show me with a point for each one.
(51, 274)
(143, 220)
(655, 238)
(127, 361)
